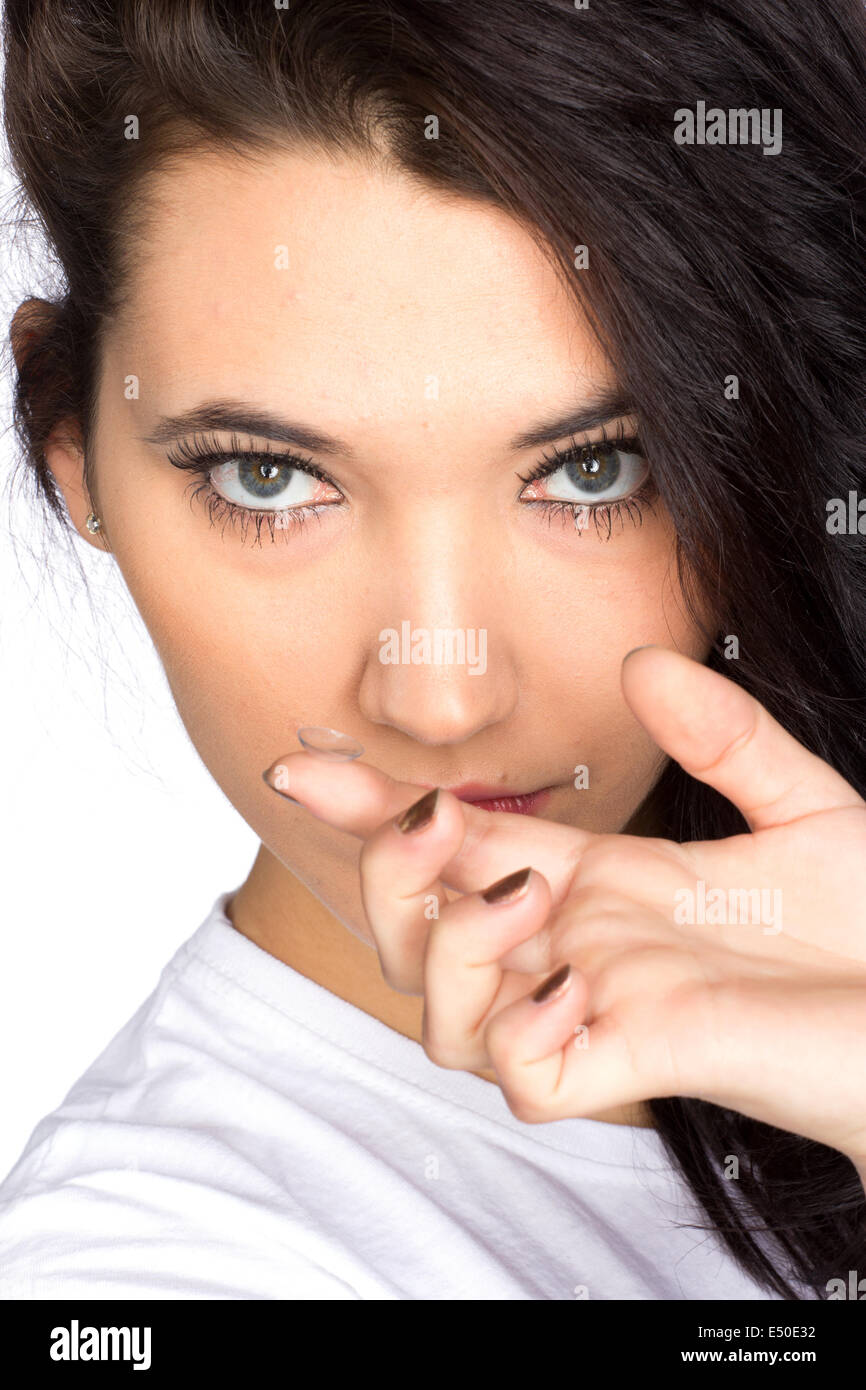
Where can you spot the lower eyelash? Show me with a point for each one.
(603, 513)
(236, 516)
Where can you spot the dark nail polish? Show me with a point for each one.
(548, 987)
(284, 795)
(419, 814)
(506, 889)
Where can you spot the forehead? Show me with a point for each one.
(347, 282)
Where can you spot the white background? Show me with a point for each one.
(115, 840)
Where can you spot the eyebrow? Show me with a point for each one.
(599, 410)
(245, 419)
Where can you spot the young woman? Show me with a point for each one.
(418, 362)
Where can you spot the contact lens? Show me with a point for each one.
(330, 743)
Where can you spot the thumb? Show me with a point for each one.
(723, 736)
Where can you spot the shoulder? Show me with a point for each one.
(120, 1205)
(156, 1177)
(127, 1233)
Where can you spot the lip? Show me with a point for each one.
(499, 798)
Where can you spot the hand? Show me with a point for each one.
(766, 1017)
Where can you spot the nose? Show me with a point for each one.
(439, 663)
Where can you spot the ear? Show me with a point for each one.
(64, 455)
(31, 320)
(64, 450)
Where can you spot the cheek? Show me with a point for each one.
(243, 674)
(242, 658)
(579, 638)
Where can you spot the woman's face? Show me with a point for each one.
(426, 334)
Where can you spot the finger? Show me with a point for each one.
(357, 798)
(401, 891)
(351, 796)
(406, 903)
(724, 737)
(553, 1062)
(463, 974)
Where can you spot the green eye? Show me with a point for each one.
(601, 468)
(608, 471)
(254, 480)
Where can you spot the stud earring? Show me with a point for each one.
(93, 523)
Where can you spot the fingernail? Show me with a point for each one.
(639, 649)
(329, 743)
(419, 814)
(553, 986)
(506, 889)
(277, 778)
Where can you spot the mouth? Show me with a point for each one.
(498, 799)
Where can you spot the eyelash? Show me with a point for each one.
(202, 454)
(603, 513)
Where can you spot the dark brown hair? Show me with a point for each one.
(705, 261)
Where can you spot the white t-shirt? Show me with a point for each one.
(249, 1135)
